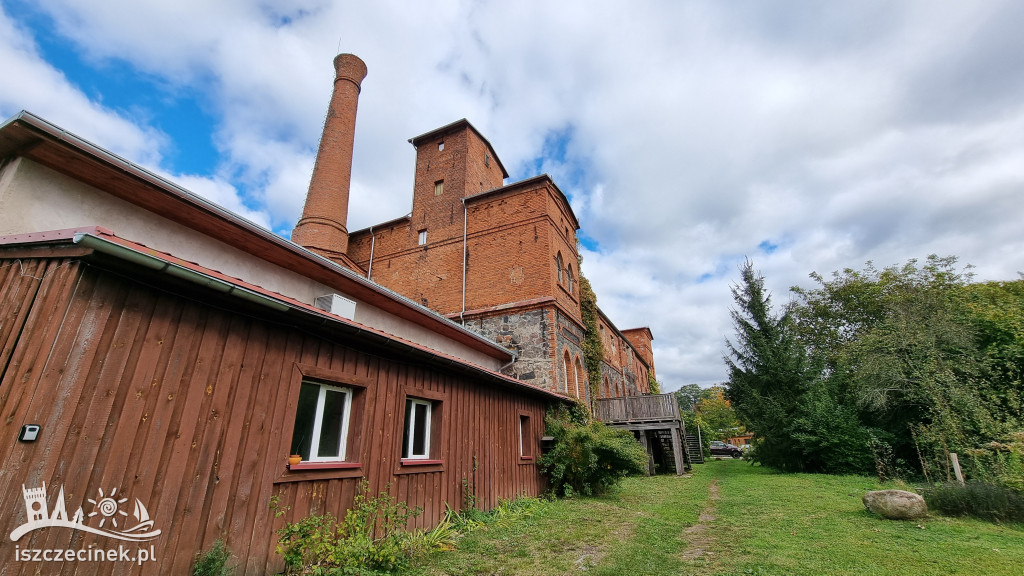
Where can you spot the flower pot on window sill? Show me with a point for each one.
(294, 459)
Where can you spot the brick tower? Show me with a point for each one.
(452, 162)
(323, 226)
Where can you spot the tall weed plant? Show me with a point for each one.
(1000, 462)
(977, 499)
(372, 539)
(213, 562)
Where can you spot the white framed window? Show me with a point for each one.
(524, 436)
(423, 237)
(416, 438)
(439, 188)
(321, 422)
(558, 264)
(570, 277)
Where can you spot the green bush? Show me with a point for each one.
(977, 499)
(372, 539)
(830, 437)
(213, 562)
(588, 458)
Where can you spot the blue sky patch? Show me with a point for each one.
(569, 170)
(768, 247)
(587, 242)
(178, 112)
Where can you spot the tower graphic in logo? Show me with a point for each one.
(107, 507)
(35, 502)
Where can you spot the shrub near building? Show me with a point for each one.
(588, 457)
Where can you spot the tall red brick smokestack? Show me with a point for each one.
(322, 227)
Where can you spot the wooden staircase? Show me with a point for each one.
(656, 413)
(693, 449)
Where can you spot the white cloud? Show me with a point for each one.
(34, 85)
(839, 132)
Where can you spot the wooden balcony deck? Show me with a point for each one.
(637, 409)
(641, 414)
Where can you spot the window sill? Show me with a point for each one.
(312, 471)
(415, 466)
(324, 466)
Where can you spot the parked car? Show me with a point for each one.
(719, 448)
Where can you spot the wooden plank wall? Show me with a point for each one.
(182, 406)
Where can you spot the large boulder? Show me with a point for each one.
(895, 504)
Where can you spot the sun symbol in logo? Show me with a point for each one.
(108, 507)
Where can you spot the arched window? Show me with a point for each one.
(579, 375)
(607, 388)
(565, 373)
(569, 274)
(558, 264)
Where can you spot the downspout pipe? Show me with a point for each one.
(515, 357)
(373, 241)
(465, 220)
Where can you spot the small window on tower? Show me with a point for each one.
(440, 146)
(438, 187)
(423, 237)
(487, 160)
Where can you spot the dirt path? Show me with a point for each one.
(698, 537)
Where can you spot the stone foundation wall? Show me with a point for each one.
(528, 333)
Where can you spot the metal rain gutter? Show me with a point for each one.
(152, 262)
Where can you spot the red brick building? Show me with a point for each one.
(157, 346)
(498, 258)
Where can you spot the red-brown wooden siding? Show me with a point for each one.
(185, 406)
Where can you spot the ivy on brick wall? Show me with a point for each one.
(653, 384)
(593, 348)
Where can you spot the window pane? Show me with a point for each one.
(524, 435)
(333, 424)
(302, 435)
(420, 430)
(405, 432)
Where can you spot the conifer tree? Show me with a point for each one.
(767, 375)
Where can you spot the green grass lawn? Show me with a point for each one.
(758, 522)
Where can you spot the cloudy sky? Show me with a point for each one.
(688, 135)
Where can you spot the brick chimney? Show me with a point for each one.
(323, 226)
